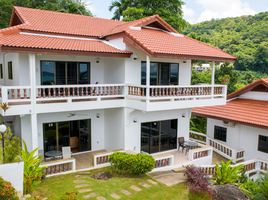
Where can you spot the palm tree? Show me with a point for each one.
(4, 107)
(120, 6)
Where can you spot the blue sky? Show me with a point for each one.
(196, 10)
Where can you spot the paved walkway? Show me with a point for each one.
(168, 178)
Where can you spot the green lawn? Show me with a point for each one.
(57, 185)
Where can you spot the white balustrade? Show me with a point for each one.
(201, 152)
(11, 94)
(101, 159)
(163, 161)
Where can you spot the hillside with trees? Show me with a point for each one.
(245, 37)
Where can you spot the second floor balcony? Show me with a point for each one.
(60, 98)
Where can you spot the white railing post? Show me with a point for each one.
(234, 155)
(148, 64)
(4, 95)
(212, 79)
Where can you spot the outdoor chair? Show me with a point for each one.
(181, 144)
(66, 152)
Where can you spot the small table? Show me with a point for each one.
(53, 153)
(190, 144)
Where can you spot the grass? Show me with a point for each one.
(57, 185)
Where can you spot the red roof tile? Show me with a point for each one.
(41, 42)
(65, 23)
(156, 41)
(242, 111)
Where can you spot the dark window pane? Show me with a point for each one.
(60, 73)
(71, 73)
(10, 73)
(174, 68)
(145, 137)
(263, 143)
(50, 137)
(143, 73)
(63, 137)
(85, 135)
(153, 74)
(220, 133)
(47, 74)
(83, 73)
(1, 70)
(164, 79)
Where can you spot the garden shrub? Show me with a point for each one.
(7, 191)
(197, 180)
(131, 163)
(12, 149)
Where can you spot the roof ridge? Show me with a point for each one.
(67, 13)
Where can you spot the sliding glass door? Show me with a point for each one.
(161, 73)
(159, 136)
(76, 134)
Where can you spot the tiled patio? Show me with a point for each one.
(84, 160)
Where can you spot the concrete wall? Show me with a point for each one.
(133, 130)
(241, 137)
(114, 128)
(114, 70)
(13, 173)
(255, 95)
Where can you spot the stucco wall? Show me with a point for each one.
(241, 137)
(13, 173)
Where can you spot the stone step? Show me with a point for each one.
(82, 185)
(85, 190)
(80, 176)
(144, 184)
(134, 187)
(101, 198)
(179, 170)
(115, 196)
(151, 181)
(126, 192)
(90, 195)
(84, 173)
(78, 181)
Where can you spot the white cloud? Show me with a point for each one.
(223, 8)
(91, 7)
(188, 14)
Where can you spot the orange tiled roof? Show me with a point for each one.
(65, 23)
(41, 42)
(262, 81)
(242, 111)
(152, 41)
(156, 41)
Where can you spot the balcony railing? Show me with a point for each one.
(177, 92)
(219, 147)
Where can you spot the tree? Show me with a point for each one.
(68, 6)
(169, 10)
(226, 72)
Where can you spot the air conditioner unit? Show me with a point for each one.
(228, 124)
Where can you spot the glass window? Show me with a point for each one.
(220, 133)
(161, 73)
(1, 70)
(10, 73)
(60, 73)
(263, 143)
(159, 136)
(83, 72)
(47, 73)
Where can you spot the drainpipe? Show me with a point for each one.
(4, 68)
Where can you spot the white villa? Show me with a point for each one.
(241, 125)
(100, 85)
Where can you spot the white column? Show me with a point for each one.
(212, 78)
(148, 64)
(33, 101)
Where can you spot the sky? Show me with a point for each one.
(196, 10)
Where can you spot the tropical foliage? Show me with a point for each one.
(7, 191)
(169, 10)
(12, 149)
(245, 37)
(131, 163)
(32, 168)
(67, 6)
(227, 174)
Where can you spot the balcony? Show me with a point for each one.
(60, 98)
(175, 97)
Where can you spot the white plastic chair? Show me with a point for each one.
(66, 152)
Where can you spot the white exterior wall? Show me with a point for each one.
(13, 173)
(114, 70)
(133, 130)
(241, 137)
(255, 95)
(114, 129)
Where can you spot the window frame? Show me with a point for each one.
(10, 70)
(1, 71)
(266, 138)
(219, 138)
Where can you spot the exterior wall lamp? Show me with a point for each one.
(135, 120)
(183, 115)
(97, 60)
(135, 57)
(98, 115)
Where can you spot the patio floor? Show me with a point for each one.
(84, 160)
